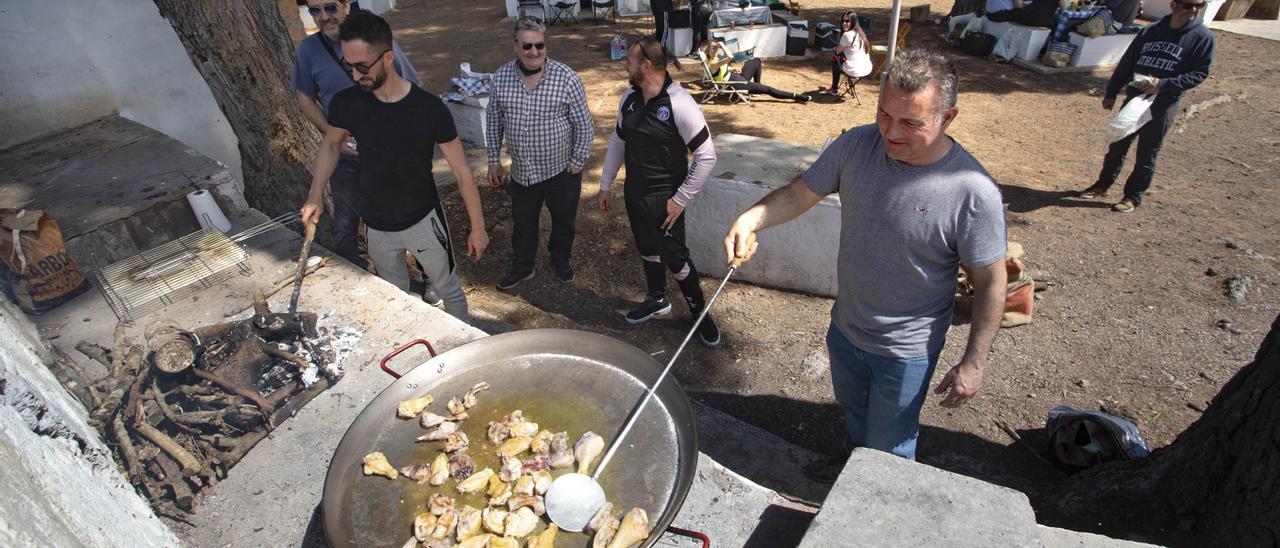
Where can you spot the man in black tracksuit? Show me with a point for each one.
(1175, 52)
(659, 126)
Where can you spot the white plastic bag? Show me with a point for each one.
(1134, 114)
(1007, 46)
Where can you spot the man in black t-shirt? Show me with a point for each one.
(397, 125)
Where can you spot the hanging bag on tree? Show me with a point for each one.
(35, 270)
(1134, 114)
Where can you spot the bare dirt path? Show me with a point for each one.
(1138, 318)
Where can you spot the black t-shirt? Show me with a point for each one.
(396, 144)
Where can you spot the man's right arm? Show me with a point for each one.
(1123, 74)
(493, 139)
(326, 161)
(777, 207)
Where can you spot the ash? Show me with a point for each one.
(326, 352)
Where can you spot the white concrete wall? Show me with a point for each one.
(64, 63)
(799, 255)
(59, 485)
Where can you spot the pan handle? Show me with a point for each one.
(706, 541)
(397, 351)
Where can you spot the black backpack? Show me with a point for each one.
(978, 43)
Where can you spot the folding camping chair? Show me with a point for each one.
(604, 9)
(880, 54)
(562, 11)
(712, 88)
(849, 86)
(525, 6)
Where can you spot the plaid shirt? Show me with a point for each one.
(547, 129)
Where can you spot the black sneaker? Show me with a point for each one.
(826, 469)
(513, 279)
(708, 332)
(564, 273)
(648, 310)
(432, 298)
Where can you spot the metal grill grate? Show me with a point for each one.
(157, 277)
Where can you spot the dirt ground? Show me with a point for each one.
(1137, 319)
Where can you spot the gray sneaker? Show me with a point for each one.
(432, 298)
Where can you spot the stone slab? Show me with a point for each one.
(1053, 537)
(799, 255)
(884, 500)
(104, 172)
(1029, 42)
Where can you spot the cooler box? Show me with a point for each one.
(797, 37)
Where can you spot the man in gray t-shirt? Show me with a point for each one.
(915, 207)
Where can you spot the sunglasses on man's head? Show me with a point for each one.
(530, 45)
(1191, 5)
(330, 9)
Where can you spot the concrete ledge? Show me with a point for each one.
(799, 255)
(884, 500)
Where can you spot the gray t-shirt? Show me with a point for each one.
(904, 232)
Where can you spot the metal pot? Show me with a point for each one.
(566, 380)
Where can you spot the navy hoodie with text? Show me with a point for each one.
(1180, 58)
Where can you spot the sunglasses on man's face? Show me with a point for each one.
(1191, 5)
(364, 68)
(530, 45)
(329, 9)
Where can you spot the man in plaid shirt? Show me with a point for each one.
(539, 107)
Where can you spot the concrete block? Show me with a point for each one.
(1027, 42)
(769, 41)
(1103, 50)
(681, 41)
(468, 117)
(799, 255)
(884, 500)
(60, 485)
(1052, 537)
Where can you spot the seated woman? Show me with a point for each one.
(852, 55)
(719, 61)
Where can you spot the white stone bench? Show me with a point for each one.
(1028, 42)
(769, 41)
(469, 118)
(1100, 51)
(799, 255)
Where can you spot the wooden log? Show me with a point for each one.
(172, 349)
(190, 465)
(171, 478)
(266, 406)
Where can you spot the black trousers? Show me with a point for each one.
(1150, 138)
(560, 194)
(646, 212)
(749, 80)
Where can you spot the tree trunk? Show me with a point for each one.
(243, 50)
(1217, 484)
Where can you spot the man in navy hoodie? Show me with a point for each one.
(1173, 55)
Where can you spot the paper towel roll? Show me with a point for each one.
(207, 212)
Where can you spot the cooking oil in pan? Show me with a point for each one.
(557, 413)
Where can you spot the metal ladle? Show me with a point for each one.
(573, 499)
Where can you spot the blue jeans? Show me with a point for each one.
(881, 395)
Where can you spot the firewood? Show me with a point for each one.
(275, 327)
(266, 406)
(96, 353)
(189, 463)
(170, 477)
(260, 307)
(274, 351)
(130, 455)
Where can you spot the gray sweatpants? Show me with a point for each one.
(428, 240)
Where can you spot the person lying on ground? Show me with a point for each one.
(748, 79)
